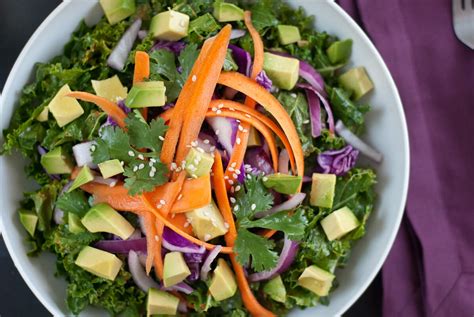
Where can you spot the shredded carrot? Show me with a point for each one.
(150, 231)
(181, 222)
(250, 88)
(238, 152)
(169, 224)
(141, 72)
(112, 109)
(267, 134)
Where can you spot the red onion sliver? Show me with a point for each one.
(120, 53)
(290, 204)
(82, 154)
(143, 281)
(206, 266)
(356, 142)
(283, 161)
(237, 33)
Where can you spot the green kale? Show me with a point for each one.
(202, 27)
(351, 114)
(74, 202)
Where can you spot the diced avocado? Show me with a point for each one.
(65, 109)
(356, 81)
(110, 88)
(198, 163)
(322, 190)
(117, 10)
(316, 280)
(175, 269)
(227, 12)
(288, 34)
(98, 262)
(83, 177)
(169, 25)
(57, 161)
(283, 183)
(340, 51)
(29, 220)
(161, 303)
(275, 289)
(254, 138)
(339, 222)
(74, 223)
(207, 222)
(43, 116)
(103, 218)
(223, 284)
(147, 94)
(110, 168)
(283, 71)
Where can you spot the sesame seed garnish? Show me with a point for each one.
(293, 95)
(159, 206)
(265, 179)
(237, 140)
(305, 121)
(206, 141)
(151, 174)
(212, 148)
(234, 164)
(248, 176)
(231, 182)
(235, 176)
(207, 236)
(226, 225)
(157, 238)
(194, 176)
(220, 106)
(241, 128)
(140, 156)
(245, 130)
(186, 224)
(231, 169)
(153, 169)
(162, 201)
(214, 109)
(232, 189)
(92, 147)
(180, 196)
(131, 153)
(153, 160)
(247, 166)
(237, 172)
(122, 163)
(237, 188)
(173, 215)
(200, 149)
(226, 177)
(248, 116)
(194, 78)
(231, 109)
(135, 168)
(217, 132)
(219, 111)
(232, 200)
(194, 143)
(183, 164)
(237, 120)
(173, 166)
(161, 138)
(141, 166)
(236, 207)
(150, 164)
(253, 207)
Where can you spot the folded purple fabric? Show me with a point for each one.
(430, 270)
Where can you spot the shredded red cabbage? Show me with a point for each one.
(175, 47)
(259, 160)
(338, 162)
(326, 105)
(174, 242)
(242, 59)
(122, 246)
(264, 81)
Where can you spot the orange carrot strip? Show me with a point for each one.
(181, 222)
(250, 302)
(150, 231)
(106, 105)
(239, 150)
(141, 72)
(267, 134)
(159, 216)
(250, 88)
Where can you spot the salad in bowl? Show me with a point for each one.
(196, 158)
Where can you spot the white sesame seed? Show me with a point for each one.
(194, 176)
(153, 169)
(194, 78)
(207, 237)
(217, 132)
(150, 164)
(253, 207)
(232, 200)
(293, 95)
(157, 238)
(214, 109)
(234, 164)
(162, 201)
(173, 166)
(153, 160)
(231, 182)
(248, 116)
(226, 177)
(194, 143)
(237, 140)
(241, 128)
(140, 156)
(161, 138)
(131, 153)
(305, 121)
(226, 225)
(248, 176)
(141, 166)
(200, 149)
(92, 147)
(220, 106)
(206, 141)
(237, 188)
(135, 168)
(265, 179)
(186, 224)
(159, 206)
(236, 207)
(231, 109)
(212, 148)
(219, 111)
(122, 163)
(232, 189)
(235, 176)
(151, 174)
(231, 169)
(247, 166)
(183, 164)
(173, 215)
(237, 120)
(245, 130)
(237, 172)
(180, 196)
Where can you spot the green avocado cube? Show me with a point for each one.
(146, 94)
(283, 183)
(29, 220)
(110, 88)
(276, 289)
(223, 284)
(207, 222)
(98, 262)
(169, 25)
(340, 51)
(198, 163)
(323, 188)
(64, 109)
(288, 34)
(117, 10)
(57, 161)
(110, 168)
(357, 81)
(74, 223)
(283, 71)
(339, 222)
(43, 116)
(316, 280)
(83, 177)
(103, 218)
(227, 12)
(175, 269)
(161, 303)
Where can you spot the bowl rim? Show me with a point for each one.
(47, 303)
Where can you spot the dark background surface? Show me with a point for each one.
(19, 20)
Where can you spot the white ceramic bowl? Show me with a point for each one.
(386, 131)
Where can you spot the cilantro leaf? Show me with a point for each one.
(163, 63)
(114, 143)
(74, 202)
(293, 226)
(144, 135)
(144, 177)
(253, 198)
(186, 59)
(258, 248)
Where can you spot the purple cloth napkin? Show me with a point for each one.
(430, 270)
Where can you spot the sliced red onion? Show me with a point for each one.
(242, 58)
(287, 256)
(58, 214)
(122, 246)
(206, 266)
(141, 279)
(83, 155)
(314, 112)
(120, 53)
(326, 105)
(174, 242)
(283, 162)
(111, 182)
(180, 287)
(257, 158)
(41, 150)
(142, 34)
(237, 33)
(142, 258)
(356, 142)
(137, 234)
(290, 204)
(225, 130)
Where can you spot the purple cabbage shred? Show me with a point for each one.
(338, 162)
